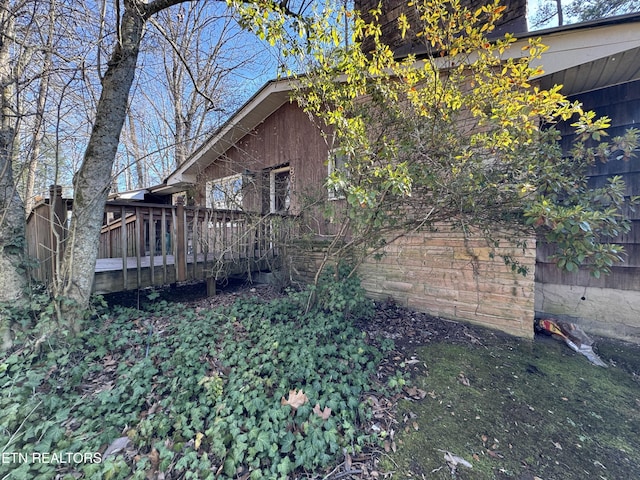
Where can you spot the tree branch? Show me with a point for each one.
(184, 62)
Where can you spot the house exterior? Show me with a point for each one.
(270, 155)
(598, 63)
(252, 162)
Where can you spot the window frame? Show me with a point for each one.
(233, 199)
(272, 189)
(332, 165)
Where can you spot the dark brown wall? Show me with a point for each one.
(621, 103)
(514, 20)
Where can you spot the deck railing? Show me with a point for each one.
(143, 245)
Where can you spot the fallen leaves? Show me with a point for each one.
(415, 393)
(390, 446)
(494, 454)
(199, 437)
(296, 399)
(154, 459)
(323, 414)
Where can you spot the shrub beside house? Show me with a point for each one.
(270, 157)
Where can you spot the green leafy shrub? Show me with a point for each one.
(258, 388)
(339, 292)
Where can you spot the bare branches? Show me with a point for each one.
(185, 64)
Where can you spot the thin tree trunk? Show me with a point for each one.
(136, 153)
(560, 14)
(37, 136)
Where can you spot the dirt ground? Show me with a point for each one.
(480, 404)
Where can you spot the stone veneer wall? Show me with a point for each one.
(445, 275)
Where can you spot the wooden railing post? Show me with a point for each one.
(181, 247)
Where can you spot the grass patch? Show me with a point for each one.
(520, 409)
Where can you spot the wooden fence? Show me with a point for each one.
(143, 245)
(46, 235)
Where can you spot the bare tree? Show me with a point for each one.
(37, 131)
(194, 58)
(579, 11)
(79, 88)
(12, 213)
(93, 180)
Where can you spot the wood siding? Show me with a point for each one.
(46, 235)
(287, 137)
(609, 305)
(514, 20)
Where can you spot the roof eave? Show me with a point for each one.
(258, 108)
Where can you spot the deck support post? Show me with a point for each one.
(211, 286)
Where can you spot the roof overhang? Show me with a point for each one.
(256, 110)
(581, 57)
(591, 55)
(129, 195)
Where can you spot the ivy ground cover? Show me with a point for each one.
(253, 390)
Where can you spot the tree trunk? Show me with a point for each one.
(560, 13)
(93, 180)
(136, 153)
(13, 278)
(41, 102)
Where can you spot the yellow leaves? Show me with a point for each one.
(334, 37)
(526, 188)
(295, 399)
(403, 24)
(199, 437)
(498, 10)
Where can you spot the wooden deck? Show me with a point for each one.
(159, 271)
(147, 245)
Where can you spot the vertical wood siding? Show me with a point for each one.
(287, 137)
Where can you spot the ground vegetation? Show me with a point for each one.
(198, 388)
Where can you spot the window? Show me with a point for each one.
(337, 163)
(225, 193)
(280, 189)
